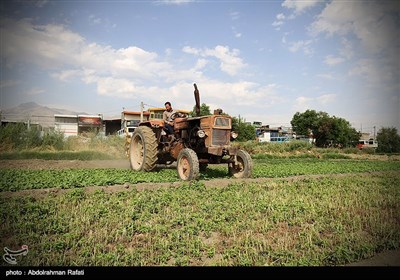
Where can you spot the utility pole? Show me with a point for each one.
(374, 132)
(141, 111)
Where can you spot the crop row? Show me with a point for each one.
(18, 179)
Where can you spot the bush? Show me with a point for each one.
(388, 140)
(16, 137)
(369, 151)
(334, 156)
(351, 150)
(54, 139)
(11, 135)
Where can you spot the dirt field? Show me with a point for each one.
(388, 258)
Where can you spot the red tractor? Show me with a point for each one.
(196, 142)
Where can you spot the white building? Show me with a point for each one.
(72, 125)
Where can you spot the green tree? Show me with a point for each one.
(204, 110)
(327, 130)
(388, 140)
(304, 123)
(245, 131)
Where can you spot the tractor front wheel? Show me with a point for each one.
(143, 149)
(244, 166)
(188, 165)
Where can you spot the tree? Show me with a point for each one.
(304, 123)
(204, 110)
(327, 131)
(244, 130)
(388, 140)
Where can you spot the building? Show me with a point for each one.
(272, 134)
(67, 124)
(73, 125)
(130, 120)
(367, 141)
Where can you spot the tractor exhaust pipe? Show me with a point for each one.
(197, 98)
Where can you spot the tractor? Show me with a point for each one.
(196, 142)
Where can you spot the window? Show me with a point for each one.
(222, 122)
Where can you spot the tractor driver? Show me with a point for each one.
(167, 118)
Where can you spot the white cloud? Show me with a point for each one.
(230, 62)
(280, 16)
(302, 103)
(45, 45)
(234, 15)
(132, 72)
(326, 98)
(333, 60)
(326, 76)
(191, 50)
(347, 49)
(237, 34)
(35, 91)
(373, 72)
(201, 63)
(373, 22)
(67, 55)
(115, 87)
(65, 75)
(305, 46)
(94, 20)
(279, 21)
(372, 27)
(299, 6)
(173, 2)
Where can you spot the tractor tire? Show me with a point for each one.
(188, 165)
(244, 168)
(143, 149)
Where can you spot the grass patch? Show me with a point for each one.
(335, 156)
(317, 222)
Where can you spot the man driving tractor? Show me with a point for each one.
(168, 122)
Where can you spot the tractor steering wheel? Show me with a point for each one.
(177, 115)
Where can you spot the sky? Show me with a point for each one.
(260, 60)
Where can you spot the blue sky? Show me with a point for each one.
(262, 60)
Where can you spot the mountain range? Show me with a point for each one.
(34, 113)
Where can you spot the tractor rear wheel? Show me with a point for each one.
(244, 167)
(188, 165)
(143, 149)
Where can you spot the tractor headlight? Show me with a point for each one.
(201, 133)
(234, 135)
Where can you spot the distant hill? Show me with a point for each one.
(35, 113)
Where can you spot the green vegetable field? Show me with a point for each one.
(339, 212)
